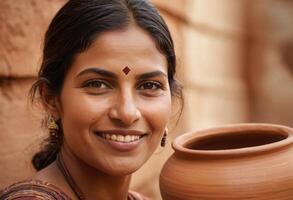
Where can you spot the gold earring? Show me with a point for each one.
(164, 138)
(53, 127)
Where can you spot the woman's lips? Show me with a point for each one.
(122, 140)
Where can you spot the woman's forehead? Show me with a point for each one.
(133, 40)
(130, 49)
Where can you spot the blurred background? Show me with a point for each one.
(235, 60)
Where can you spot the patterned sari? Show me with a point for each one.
(41, 190)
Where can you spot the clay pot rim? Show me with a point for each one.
(182, 140)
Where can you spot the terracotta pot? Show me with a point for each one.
(242, 161)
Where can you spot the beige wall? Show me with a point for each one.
(270, 29)
(215, 87)
(22, 26)
(229, 62)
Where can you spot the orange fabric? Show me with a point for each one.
(33, 189)
(41, 190)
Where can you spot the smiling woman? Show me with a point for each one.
(107, 84)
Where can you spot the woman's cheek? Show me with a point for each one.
(81, 111)
(157, 113)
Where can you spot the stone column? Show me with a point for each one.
(214, 62)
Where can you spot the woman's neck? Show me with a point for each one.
(92, 183)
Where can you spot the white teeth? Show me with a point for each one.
(127, 138)
(121, 138)
(113, 137)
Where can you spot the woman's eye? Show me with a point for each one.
(150, 86)
(96, 84)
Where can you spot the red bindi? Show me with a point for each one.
(126, 70)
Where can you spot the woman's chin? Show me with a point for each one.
(119, 169)
(122, 170)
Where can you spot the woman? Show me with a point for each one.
(107, 84)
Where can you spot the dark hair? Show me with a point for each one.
(74, 28)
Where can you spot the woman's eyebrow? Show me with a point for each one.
(151, 75)
(109, 74)
(98, 71)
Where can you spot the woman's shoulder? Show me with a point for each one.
(33, 190)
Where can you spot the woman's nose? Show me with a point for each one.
(124, 109)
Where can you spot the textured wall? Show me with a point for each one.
(22, 26)
(214, 60)
(270, 67)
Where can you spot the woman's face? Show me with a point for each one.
(116, 101)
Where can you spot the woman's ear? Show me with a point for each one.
(49, 100)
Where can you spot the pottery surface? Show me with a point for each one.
(241, 161)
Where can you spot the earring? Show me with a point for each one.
(52, 126)
(164, 138)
